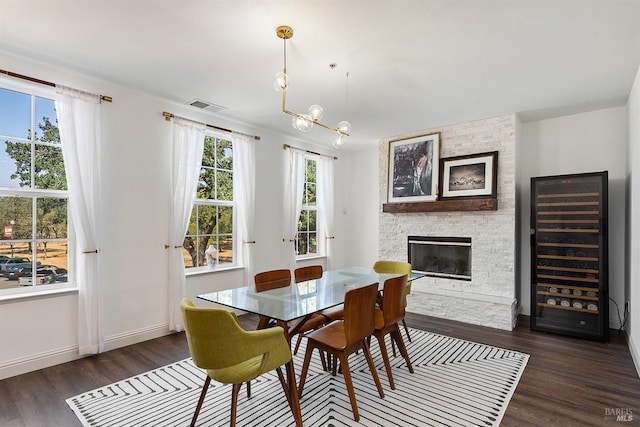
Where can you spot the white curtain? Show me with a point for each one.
(326, 204)
(294, 186)
(186, 159)
(79, 124)
(244, 188)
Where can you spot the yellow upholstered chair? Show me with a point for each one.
(396, 267)
(391, 311)
(230, 354)
(345, 337)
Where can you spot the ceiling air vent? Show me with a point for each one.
(198, 103)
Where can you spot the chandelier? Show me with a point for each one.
(304, 122)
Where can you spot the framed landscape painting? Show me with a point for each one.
(413, 169)
(474, 175)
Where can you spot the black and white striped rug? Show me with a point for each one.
(456, 383)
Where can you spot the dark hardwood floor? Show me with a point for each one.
(567, 381)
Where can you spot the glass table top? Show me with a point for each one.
(299, 299)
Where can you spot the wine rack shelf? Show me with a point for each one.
(569, 255)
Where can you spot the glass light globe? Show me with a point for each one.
(303, 123)
(316, 112)
(344, 126)
(280, 82)
(338, 142)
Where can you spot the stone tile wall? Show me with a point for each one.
(489, 298)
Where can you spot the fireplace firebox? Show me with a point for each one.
(446, 257)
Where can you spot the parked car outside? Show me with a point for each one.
(14, 264)
(44, 275)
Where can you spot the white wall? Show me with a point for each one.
(588, 142)
(360, 206)
(39, 332)
(633, 234)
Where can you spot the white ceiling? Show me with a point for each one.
(412, 64)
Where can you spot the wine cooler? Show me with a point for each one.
(569, 255)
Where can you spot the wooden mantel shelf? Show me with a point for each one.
(482, 204)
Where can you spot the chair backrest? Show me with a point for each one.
(272, 279)
(209, 332)
(393, 299)
(308, 273)
(359, 306)
(392, 267)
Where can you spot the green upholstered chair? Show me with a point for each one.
(396, 267)
(230, 354)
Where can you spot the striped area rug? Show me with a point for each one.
(456, 383)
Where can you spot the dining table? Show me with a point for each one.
(299, 301)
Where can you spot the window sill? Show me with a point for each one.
(309, 258)
(197, 271)
(31, 295)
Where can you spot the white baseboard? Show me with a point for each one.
(37, 361)
(635, 355)
(50, 358)
(136, 336)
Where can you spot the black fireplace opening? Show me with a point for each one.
(447, 257)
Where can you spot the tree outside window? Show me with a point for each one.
(307, 237)
(33, 192)
(211, 222)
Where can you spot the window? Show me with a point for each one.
(34, 247)
(307, 237)
(211, 223)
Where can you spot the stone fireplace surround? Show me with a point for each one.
(489, 298)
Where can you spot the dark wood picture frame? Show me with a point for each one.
(470, 176)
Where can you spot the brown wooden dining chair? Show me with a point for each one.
(396, 267)
(391, 311)
(344, 337)
(316, 320)
(275, 279)
(309, 272)
(315, 272)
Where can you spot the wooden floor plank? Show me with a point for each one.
(567, 382)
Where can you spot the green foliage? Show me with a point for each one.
(49, 174)
(212, 224)
(18, 210)
(49, 165)
(306, 240)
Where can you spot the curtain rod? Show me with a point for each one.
(44, 82)
(169, 116)
(285, 146)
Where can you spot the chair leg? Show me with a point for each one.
(346, 373)
(397, 337)
(385, 358)
(372, 368)
(393, 347)
(305, 366)
(235, 389)
(406, 329)
(203, 393)
(248, 389)
(295, 350)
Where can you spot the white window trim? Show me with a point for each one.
(27, 292)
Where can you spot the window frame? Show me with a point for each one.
(45, 92)
(216, 203)
(310, 208)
